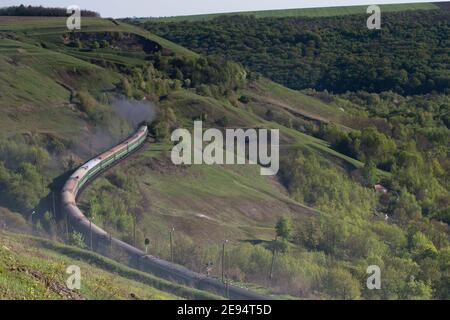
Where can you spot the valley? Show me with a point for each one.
(355, 115)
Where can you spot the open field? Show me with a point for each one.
(307, 12)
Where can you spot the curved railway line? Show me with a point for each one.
(102, 242)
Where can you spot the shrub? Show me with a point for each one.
(77, 240)
(244, 99)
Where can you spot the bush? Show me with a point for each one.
(87, 102)
(340, 284)
(21, 189)
(244, 99)
(77, 240)
(13, 153)
(126, 88)
(118, 179)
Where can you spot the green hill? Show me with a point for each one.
(306, 12)
(57, 89)
(41, 80)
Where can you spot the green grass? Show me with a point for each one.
(269, 93)
(34, 268)
(32, 99)
(208, 197)
(43, 28)
(298, 102)
(234, 201)
(307, 12)
(189, 104)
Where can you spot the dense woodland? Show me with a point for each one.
(32, 11)
(409, 55)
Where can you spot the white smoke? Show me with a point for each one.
(134, 111)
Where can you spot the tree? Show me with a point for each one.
(302, 59)
(280, 246)
(406, 207)
(283, 228)
(244, 99)
(422, 247)
(369, 173)
(78, 44)
(94, 208)
(417, 290)
(375, 146)
(179, 74)
(162, 132)
(77, 240)
(340, 284)
(104, 44)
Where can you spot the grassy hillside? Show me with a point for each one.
(41, 76)
(306, 12)
(33, 268)
(330, 159)
(38, 27)
(207, 203)
(40, 79)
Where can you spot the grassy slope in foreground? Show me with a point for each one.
(306, 12)
(34, 268)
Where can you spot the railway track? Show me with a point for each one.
(104, 243)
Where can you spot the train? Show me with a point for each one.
(102, 242)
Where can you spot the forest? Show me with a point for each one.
(40, 11)
(337, 54)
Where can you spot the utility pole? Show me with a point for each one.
(223, 260)
(271, 264)
(110, 244)
(273, 258)
(90, 231)
(31, 217)
(67, 226)
(171, 243)
(90, 148)
(54, 205)
(146, 243)
(31, 221)
(134, 229)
